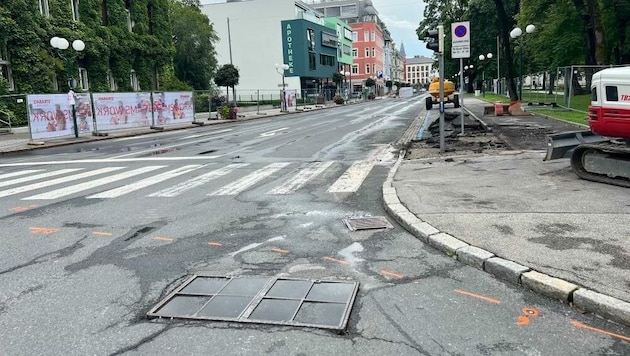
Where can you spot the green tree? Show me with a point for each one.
(227, 76)
(194, 39)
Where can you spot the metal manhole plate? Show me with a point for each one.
(263, 300)
(367, 223)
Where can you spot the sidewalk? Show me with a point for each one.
(20, 140)
(530, 222)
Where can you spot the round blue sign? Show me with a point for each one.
(460, 31)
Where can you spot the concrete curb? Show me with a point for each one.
(606, 306)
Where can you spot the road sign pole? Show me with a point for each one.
(461, 91)
(441, 64)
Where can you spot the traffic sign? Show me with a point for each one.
(460, 36)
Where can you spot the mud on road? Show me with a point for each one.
(488, 135)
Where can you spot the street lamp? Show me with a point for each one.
(62, 44)
(345, 81)
(281, 68)
(483, 73)
(515, 34)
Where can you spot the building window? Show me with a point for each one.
(355, 36)
(133, 77)
(373, 36)
(74, 5)
(130, 22)
(312, 64)
(347, 50)
(355, 53)
(373, 52)
(373, 66)
(326, 60)
(111, 81)
(367, 52)
(366, 36)
(355, 69)
(43, 8)
(367, 69)
(83, 79)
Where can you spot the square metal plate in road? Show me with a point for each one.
(264, 300)
(367, 223)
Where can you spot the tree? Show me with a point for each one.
(338, 78)
(194, 39)
(227, 76)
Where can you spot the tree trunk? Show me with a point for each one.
(590, 13)
(505, 26)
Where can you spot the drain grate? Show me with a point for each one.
(367, 223)
(264, 300)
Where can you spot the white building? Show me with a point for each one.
(253, 42)
(419, 70)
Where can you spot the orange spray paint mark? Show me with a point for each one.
(162, 238)
(528, 313)
(102, 233)
(43, 230)
(279, 250)
(214, 244)
(392, 274)
(588, 327)
(487, 299)
(522, 320)
(336, 260)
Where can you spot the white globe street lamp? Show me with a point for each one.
(482, 58)
(61, 44)
(515, 34)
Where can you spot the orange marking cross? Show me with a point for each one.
(279, 250)
(392, 274)
(336, 260)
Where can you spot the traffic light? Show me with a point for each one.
(435, 39)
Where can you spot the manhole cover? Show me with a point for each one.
(264, 300)
(369, 223)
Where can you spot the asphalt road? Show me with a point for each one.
(94, 235)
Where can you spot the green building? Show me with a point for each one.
(344, 41)
(310, 50)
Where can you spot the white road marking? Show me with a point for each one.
(352, 178)
(254, 245)
(240, 185)
(297, 181)
(273, 132)
(116, 192)
(197, 181)
(38, 176)
(61, 192)
(20, 173)
(348, 253)
(26, 188)
(110, 160)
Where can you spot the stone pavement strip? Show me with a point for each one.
(458, 206)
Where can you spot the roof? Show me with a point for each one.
(420, 60)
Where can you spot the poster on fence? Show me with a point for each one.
(173, 108)
(290, 98)
(122, 110)
(50, 115)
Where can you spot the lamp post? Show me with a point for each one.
(281, 68)
(345, 82)
(515, 34)
(62, 44)
(483, 72)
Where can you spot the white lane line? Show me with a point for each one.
(38, 176)
(273, 132)
(26, 188)
(125, 189)
(297, 181)
(249, 180)
(197, 181)
(352, 178)
(171, 146)
(254, 245)
(110, 160)
(61, 192)
(20, 173)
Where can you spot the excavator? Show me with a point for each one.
(601, 154)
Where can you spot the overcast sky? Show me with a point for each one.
(402, 18)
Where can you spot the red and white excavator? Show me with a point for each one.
(603, 153)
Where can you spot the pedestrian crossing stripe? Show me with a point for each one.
(110, 180)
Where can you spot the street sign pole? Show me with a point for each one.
(460, 48)
(441, 64)
(461, 91)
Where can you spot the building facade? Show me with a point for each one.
(419, 70)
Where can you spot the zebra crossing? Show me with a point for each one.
(113, 182)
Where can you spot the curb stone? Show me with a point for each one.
(446, 243)
(611, 308)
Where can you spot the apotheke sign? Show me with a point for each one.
(289, 48)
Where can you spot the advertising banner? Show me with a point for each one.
(170, 108)
(122, 110)
(290, 98)
(50, 115)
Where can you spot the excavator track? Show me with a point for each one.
(607, 163)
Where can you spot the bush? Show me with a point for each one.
(371, 96)
(224, 111)
(338, 99)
